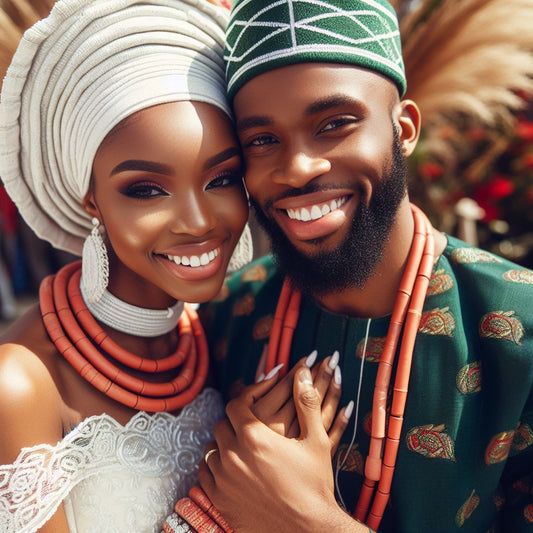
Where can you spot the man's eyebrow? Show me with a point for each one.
(145, 166)
(330, 102)
(226, 154)
(253, 122)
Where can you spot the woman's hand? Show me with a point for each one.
(272, 401)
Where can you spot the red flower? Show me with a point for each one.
(430, 170)
(524, 130)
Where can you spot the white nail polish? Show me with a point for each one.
(349, 410)
(337, 376)
(274, 371)
(334, 361)
(311, 358)
(260, 378)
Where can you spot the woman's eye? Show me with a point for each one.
(225, 180)
(144, 190)
(337, 123)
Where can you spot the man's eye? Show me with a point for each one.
(262, 140)
(144, 191)
(337, 123)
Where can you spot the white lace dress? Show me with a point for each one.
(110, 478)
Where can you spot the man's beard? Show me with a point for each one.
(354, 261)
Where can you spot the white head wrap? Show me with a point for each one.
(76, 75)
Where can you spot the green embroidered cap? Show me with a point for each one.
(263, 35)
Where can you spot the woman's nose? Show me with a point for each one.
(193, 215)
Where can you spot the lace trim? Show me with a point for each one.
(160, 444)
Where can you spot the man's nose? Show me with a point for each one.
(300, 167)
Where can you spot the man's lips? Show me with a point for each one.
(313, 216)
(315, 211)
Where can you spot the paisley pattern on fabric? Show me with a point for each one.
(440, 282)
(374, 349)
(437, 322)
(519, 276)
(466, 510)
(501, 325)
(262, 327)
(431, 441)
(499, 447)
(469, 378)
(473, 255)
(244, 306)
(354, 462)
(523, 438)
(254, 273)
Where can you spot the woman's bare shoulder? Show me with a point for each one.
(30, 403)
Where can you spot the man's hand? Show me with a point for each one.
(263, 482)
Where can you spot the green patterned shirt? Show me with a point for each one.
(465, 461)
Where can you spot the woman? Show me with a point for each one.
(116, 143)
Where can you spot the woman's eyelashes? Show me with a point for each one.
(144, 190)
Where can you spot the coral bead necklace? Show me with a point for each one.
(406, 315)
(91, 352)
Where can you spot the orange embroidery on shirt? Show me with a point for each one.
(466, 510)
(437, 322)
(255, 273)
(244, 306)
(519, 276)
(431, 441)
(262, 327)
(499, 501)
(353, 462)
(472, 255)
(502, 325)
(469, 378)
(374, 349)
(499, 447)
(523, 438)
(440, 282)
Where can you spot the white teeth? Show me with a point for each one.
(317, 211)
(194, 261)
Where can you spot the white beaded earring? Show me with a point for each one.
(243, 252)
(94, 264)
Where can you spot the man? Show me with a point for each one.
(446, 425)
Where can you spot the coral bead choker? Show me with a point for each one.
(104, 364)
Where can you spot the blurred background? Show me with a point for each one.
(469, 67)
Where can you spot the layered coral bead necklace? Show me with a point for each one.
(91, 352)
(406, 315)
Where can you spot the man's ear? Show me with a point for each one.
(89, 204)
(409, 120)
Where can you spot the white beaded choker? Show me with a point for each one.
(131, 319)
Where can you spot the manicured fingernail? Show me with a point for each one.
(274, 371)
(304, 376)
(349, 410)
(260, 378)
(337, 375)
(311, 358)
(334, 361)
